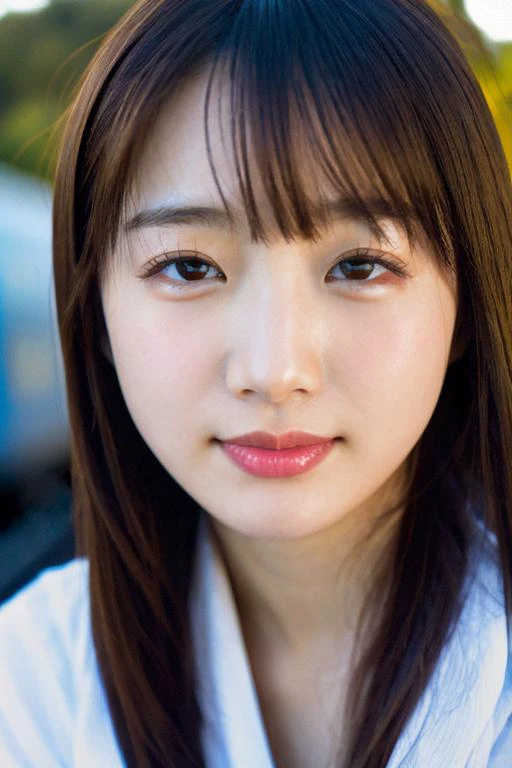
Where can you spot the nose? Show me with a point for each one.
(275, 345)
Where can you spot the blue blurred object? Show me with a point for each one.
(35, 498)
(33, 414)
(40, 536)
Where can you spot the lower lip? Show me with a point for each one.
(283, 463)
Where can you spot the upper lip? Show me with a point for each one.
(275, 442)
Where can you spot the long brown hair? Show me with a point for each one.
(383, 92)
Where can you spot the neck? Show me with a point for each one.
(298, 597)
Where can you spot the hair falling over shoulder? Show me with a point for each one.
(385, 96)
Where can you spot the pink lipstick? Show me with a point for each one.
(266, 455)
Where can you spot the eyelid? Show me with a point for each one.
(158, 263)
(389, 261)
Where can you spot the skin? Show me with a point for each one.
(276, 346)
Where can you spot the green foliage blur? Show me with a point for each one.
(43, 54)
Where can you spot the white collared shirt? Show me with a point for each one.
(53, 710)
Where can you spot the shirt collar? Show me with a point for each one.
(452, 724)
(233, 730)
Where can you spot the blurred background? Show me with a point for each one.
(44, 48)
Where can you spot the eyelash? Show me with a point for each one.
(359, 256)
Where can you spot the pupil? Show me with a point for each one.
(357, 270)
(191, 268)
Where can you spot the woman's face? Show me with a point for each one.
(273, 338)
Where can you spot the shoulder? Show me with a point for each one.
(463, 716)
(57, 586)
(42, 630)
(48, 610)
(501, 751)
(495, 647)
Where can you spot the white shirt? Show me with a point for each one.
(53, 710)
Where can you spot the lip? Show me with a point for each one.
(286, 462)
(298, 452)
(272, 442)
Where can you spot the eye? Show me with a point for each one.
(188, 267)
(361, 267)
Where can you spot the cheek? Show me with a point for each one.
(164, 367)
(394, 367)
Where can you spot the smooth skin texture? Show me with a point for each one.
(276, 337)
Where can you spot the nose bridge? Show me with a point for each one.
(276, 346)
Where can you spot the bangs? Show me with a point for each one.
(321, 98)
(352, 97)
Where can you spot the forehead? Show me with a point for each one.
(174, 155)
(175, 166)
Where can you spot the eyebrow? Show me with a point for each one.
(194, 215)
(169, 215)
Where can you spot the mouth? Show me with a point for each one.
(280, 462)
(293, 439)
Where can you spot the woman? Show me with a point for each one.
(282, 238)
